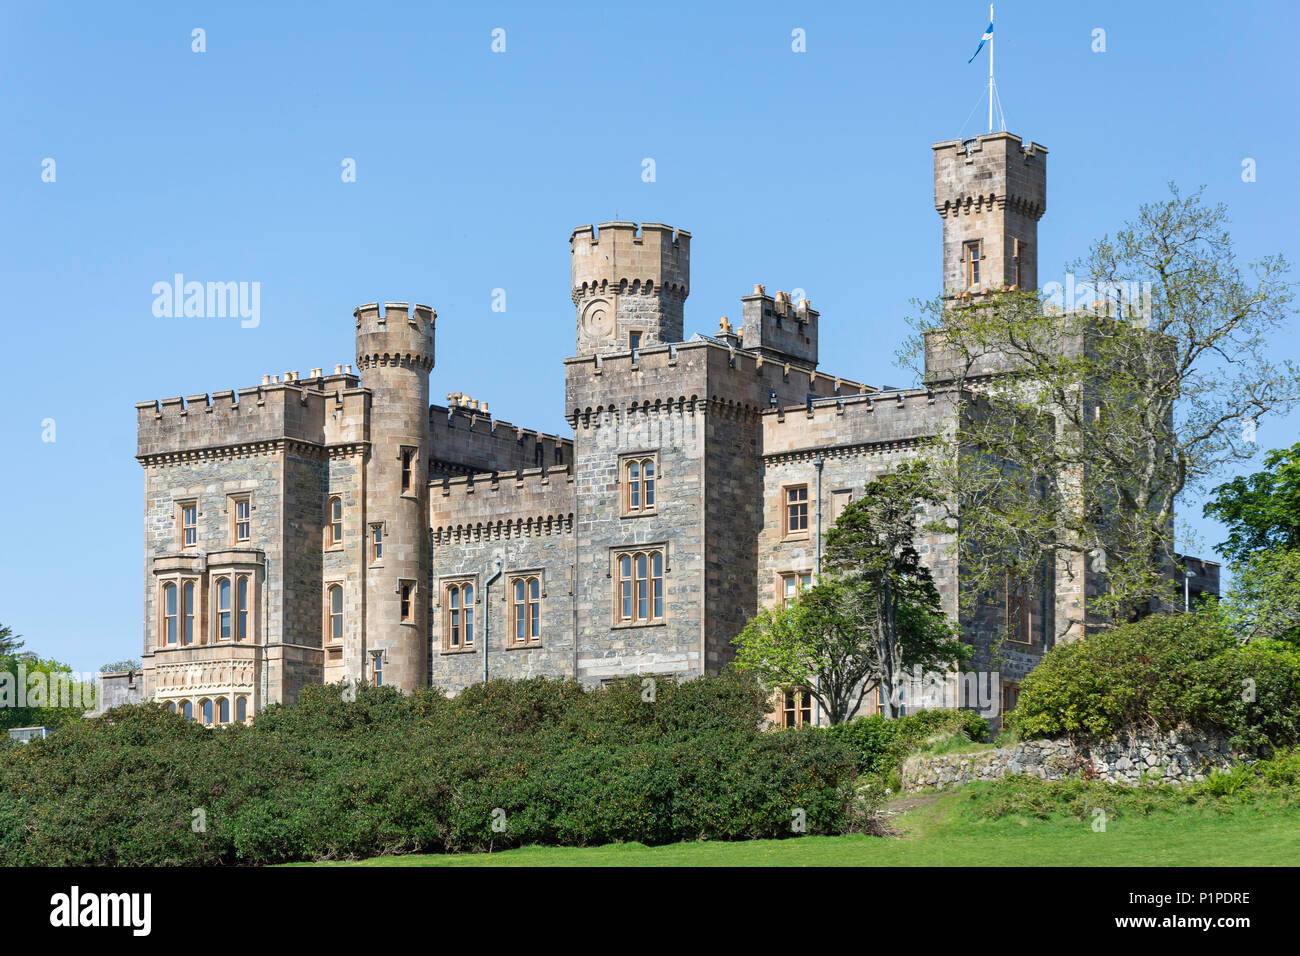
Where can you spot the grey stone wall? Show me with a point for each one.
(1171, 758)
(522, 524)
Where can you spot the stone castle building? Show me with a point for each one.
(340, 526)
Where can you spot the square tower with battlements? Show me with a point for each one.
(990, 190)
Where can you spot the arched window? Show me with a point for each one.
(639, 478)
(223, 711)
(169, 614)
(335, 632)
(641, 587)
(460, 615)
(172, 706)
(187, 630)
(187, 710)
(336, 520)
(526, 610)
(241, 606)
(241, 709)
(205, 707)
(223, 609)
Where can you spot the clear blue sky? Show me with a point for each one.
(795, 170)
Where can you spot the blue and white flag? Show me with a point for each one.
(988, 35)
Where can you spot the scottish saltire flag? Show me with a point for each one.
(988, 35)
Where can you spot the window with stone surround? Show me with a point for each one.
(796, 708)
(1018, 603)
(525, 609)
(376, 543)
(796, 510)
(377, 668)
(1017, 251)
(334, 614)
(406, 599)
(240, 508)
(242, 594)
(171, 614)
(335, 537)
(458, 615)
(223, 710)
(223, 590)
(640, 477)
(634, 340)
(188, 521)
(794, 583)
(972, 254)
(639, 598)
(241, 709)
(408, 470)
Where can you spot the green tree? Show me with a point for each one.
(872, 546)
(1261, 511)
(1107, 416)
(49, 694)
(874, 614)
(1262, 514)
(821, 643)
(9, 642)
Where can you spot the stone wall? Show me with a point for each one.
(1172, 758)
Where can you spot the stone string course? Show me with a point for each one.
(1170, 758)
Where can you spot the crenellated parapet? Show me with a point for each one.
(703, 374)
(629, 284)
(879, 422)
(400, 335)
(251, 417)
(464, 440)
(525, 503)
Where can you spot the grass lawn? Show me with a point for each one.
(950, 830)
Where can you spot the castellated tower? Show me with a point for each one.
(629, 288)
(991, 191)
(395, 356)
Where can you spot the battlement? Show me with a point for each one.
(991, 169)
(990, 192)
(465, 440)
(779, 328)
(826, 426)
(680, 376)
(399, 335)
(622, 257)
(265, 413)
(526, 502)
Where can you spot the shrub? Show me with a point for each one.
(393, 773)
(881, 745)
(1161, 673)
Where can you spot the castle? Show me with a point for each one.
(340, 527)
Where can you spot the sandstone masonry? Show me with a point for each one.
(341, 527)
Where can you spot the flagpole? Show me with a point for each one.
(990, 71)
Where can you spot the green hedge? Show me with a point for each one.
(1164, 672)
(880, 745)
(391, 774)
